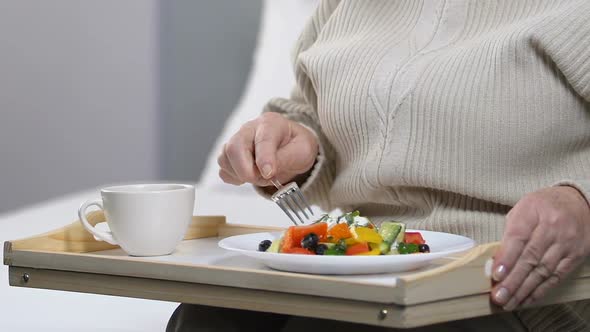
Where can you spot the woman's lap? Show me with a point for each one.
(189, 317)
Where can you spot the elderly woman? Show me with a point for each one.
(468, 117)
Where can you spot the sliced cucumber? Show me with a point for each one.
(401, 234)
(390, 231)
(384, 247)
(393, 251)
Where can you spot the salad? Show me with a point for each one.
(349, 234)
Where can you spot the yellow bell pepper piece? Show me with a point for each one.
(366, 234)
(351, 241)
(373, 252)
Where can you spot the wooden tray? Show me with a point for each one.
(199, 272)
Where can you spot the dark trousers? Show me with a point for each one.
(197, 318)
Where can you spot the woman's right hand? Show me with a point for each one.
(269, 146)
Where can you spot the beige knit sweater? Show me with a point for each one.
(443, 114)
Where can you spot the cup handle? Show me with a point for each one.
(100, 235)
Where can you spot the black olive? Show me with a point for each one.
(321, 249)
(424, 248)
(310, 241)
(264, 245)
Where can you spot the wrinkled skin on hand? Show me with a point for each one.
(267, 147)
(547, 236)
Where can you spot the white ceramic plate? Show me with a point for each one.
(441, 244)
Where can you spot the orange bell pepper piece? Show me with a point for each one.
(299, 232)
(340, 231)
(288, 240)
(294, 235)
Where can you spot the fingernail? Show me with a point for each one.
(500, 273)
(266, 170)
(501, 296)
(511, 305)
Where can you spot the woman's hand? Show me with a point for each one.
(266, 147)
(547, 236)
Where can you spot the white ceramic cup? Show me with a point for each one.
(144, 219)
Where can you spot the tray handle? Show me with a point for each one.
(475, 259)
(466, 275)
(75, 239)
(70, 238)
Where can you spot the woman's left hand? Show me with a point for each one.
(547, 236)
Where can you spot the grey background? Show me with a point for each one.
(96, 92)
(206, 53)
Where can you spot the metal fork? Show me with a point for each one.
(290, 198)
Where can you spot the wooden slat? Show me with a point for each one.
(74, 238)
(54, 251)
(70, 249)
(277, 302)
(466, 275)
(230, 297)
(7, 252)
(215, 275)
(480, 305)
(204, 226)
(70, 238)
(463, 276)
(235, 229)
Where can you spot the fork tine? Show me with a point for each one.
(304, 201)
(280, 204)
(293, 198)
(286, 200)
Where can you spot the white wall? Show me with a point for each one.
(78, 95)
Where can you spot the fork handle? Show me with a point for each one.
(276, 183)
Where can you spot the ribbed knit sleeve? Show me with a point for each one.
(582, 185)
(302, 107)
(566, 40)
